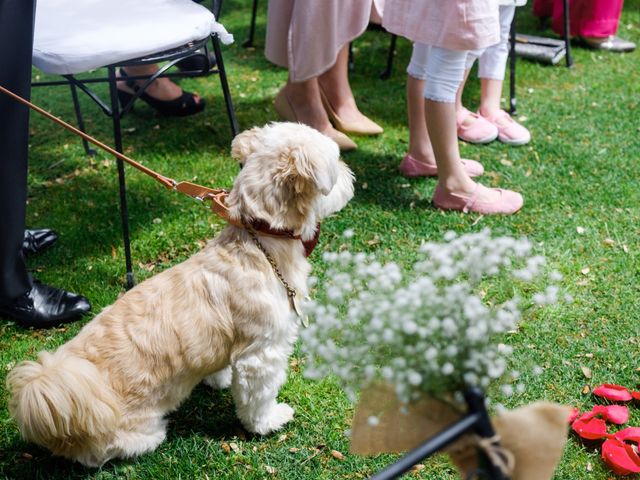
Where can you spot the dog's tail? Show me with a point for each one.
(60, 401)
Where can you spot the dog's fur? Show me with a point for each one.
(221, 315)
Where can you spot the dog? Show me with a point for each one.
(223, 315)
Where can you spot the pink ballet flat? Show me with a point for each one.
(410, 167)
(509, 201)
(480, 130)
(509, 131)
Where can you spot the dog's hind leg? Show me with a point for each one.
(144, 437)
(219, 380)
(257, 377)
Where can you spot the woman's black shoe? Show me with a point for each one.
(197, 63)
(182, 106)
(44, 307)
(37, 240)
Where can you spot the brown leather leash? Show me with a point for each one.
(217, 196)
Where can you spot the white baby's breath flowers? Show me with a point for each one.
(429, 330)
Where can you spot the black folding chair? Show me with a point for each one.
(47, 59)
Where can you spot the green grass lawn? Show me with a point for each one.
(579, 177)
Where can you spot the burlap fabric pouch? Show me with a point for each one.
(532, 437)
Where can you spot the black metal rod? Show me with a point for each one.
(428, 448)
(124, 211)
(484, 429)
(76, 106)
(252, 26)
(225, 86)
(476, 421)
(512, 66)
(392, 50)
(567, 31)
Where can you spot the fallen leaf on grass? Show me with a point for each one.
(586, 389)
(337, 455)
(585, 270)
(225, 447)
(580, 230)
(417, 467)
(234, 446)
(271, 470)
(294, 450)
(586, 371)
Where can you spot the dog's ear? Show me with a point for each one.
(244, 144)
(312, 163)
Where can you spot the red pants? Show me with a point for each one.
(587, 18)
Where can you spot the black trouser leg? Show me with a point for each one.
(16, 44)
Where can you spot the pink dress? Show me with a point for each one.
(306, 36)
(451, 24)
(587, 18)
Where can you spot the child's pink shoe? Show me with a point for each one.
(507, 203)
(411, 168)
(509, 131)
(474, 128)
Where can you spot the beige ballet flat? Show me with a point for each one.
(363, 127)
(284, 108)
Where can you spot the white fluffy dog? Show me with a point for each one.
(223, 314)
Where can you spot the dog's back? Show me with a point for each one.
(60, 401)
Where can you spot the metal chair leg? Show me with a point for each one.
(252, 26)
(386, 73)
(225, 86)
(566, 28)
(512, 67)
(76, 105)
(124, 211)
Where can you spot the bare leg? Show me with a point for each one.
(305, 100)
(441, 123)
(419, 142)
(161, 88)
(301, 102)
(459, 105)
(491, 92)
(335, 85)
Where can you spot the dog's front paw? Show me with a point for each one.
(274, 420)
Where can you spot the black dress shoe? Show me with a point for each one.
(44, 306)
(37, 240)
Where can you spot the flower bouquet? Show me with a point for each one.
(412, 342)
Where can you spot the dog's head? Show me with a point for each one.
(292, 177)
